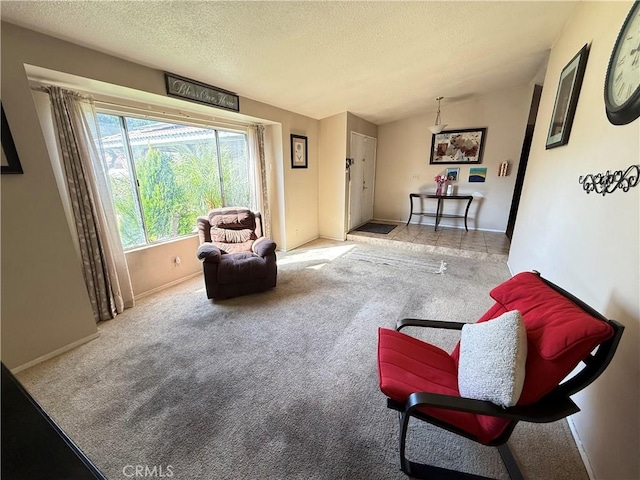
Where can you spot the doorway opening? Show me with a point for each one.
(524, 158)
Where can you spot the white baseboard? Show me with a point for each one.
(326, 237)
(55, 353)
(300, 244)
(583, 454)
(166, 285)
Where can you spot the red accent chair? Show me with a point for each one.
(421, 380)
(236, 258)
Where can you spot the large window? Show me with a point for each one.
(164, 175)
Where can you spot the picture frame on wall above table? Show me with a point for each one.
(477, 175)
(299, 151)
(564, 107)
(458, 146)
(453, 174)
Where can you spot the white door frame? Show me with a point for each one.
(371, 186)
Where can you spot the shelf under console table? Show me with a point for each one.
(438, 213)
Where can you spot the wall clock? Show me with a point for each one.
(622, 83)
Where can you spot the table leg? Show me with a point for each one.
(438, 213)
(411, 210)
(465, 214)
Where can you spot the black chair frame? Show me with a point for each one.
(552, 407)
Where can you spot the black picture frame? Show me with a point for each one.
(564, 107)
(451, 147)
(10, 160)
(194, 91)
(299, 151)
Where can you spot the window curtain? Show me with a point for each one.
(259, 198)
(103, 261)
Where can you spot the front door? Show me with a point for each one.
(361, 179)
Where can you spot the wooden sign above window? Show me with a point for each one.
(199, 92)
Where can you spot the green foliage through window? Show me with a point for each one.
(164, 175)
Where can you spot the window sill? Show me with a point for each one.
(160, 243)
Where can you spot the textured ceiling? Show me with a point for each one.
(380, 60)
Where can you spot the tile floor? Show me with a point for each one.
(450, 241)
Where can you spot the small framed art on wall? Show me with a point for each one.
(299, 150)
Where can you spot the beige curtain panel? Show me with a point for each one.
(103, 261)
(259, 197)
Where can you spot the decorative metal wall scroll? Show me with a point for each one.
(609, 182)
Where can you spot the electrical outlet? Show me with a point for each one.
(415, 176)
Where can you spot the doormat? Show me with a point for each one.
(376, 228)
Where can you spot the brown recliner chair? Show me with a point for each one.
(237, 259)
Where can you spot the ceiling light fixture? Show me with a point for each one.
(438, 127)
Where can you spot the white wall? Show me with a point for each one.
(152, 269)
(45, 305)
(301, 190)
(333, 154)
(335, 145)
(359, 125)
(589, 244)
(404, 150)
(293, 191)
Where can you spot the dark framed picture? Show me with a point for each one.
(298, 151)
(458, 146)
(10, 160)
(564, 108)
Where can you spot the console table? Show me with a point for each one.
(438, 213)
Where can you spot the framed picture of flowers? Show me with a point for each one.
(299, 151)
(458, 146)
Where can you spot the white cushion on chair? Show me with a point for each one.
(493, 356)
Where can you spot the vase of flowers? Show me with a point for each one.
(441, 180)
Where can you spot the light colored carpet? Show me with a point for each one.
(398, 259)
(279, 385)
